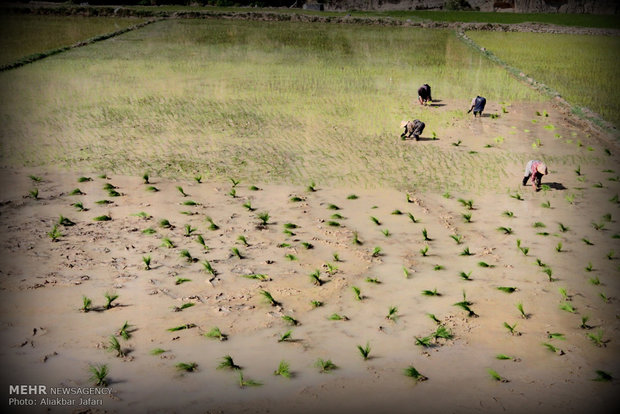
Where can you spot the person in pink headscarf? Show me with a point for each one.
(535, 169)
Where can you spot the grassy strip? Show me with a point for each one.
(581, 112)
(42, 55)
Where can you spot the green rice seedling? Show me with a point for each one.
(337, 216)
(424, 342)
(502, 357)
(157, 351)
(549, 273)
(392, 314)
(411, 372)
(505, 230)
(180, 189)
(511, 328)
(457, 143)
(113, 193)
(352, 197)
(243, 240)
(434, 318)
(519, 306)
(488, 146)
(556, 335)
(307, 245)
(540, 263)
(397, 212)
(181, 327)
(145, 178)
(524, 250)
(442, 332)
(290, 226)
(283, 370)
(264, 218)
(86, 304)
(76, 191)
(595, 281)
(507, 289)
(296, 199)
(99, 375)
(425, 235)
(602, 376)
(597, 185)
(103, 202)
(504, 111)
(215, 333)
(496, 376)
(248, 206)
(508, 214)
(465, 276)
(109, 297)
(186, 366)
(485, 264)
(434, 135)
(103, 218)
(54, 234)
(316, 303)
(166, 242)
(336, 257)
(183, 307)
(438, 267)
(234, 182)
(584, 322)
(201, 241)
(563, 228)
(152, 189)
(542, 233)
(286, 336)
(124, 332)
(290, 256)
(374, 280)
(412, 218)
(375, 220)
(376, 251)
(568, 307)
(149, 231)
(289, 233)
(331, 269)
(605, 298)
(333, 224)
(189, 203)
(325, 365)
(538, 224)
(598, 226)
(103, 176)
(187, 255)
(198, 178)
(337, 317)
(517, 196)
(546, 204)
(189, 230)
(357, 293)
(607, 218)
(290, 320)
(433, 292)
(232, 193)
(212, 225)
(312, 187)
(228, 363)
(332, 207)
(386, 232)
(164, 223)
(570, 198)
(364, 351)
(115, 346)
(552, 348)
(256, 276)
(424, 250)
(466, 217)
(315, 277)
(457, 238)
(611, 255)
(109, 186)
(35, 178)
(406, 272)
(589, 267)
(236, 252)
(147, 262)
(34, 193)
(267, 296)
(494, 116)
(356, 239)
(588, 242)
(615, 199)
(558, 248)
(181, 280)
(469, 204)
(564, 294)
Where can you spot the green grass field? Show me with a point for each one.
(23, 35)
(264, 101)
(582, 68)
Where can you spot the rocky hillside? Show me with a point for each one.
(519, 6)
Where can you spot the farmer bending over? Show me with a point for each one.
(477, 105)
(535, 169)
(414, 129)
(424, 94)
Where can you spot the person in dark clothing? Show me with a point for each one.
(535, 169)
(424, 94)
(412, 129)
(477, 105)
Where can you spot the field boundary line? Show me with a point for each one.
(42, 55)
(585, 114)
